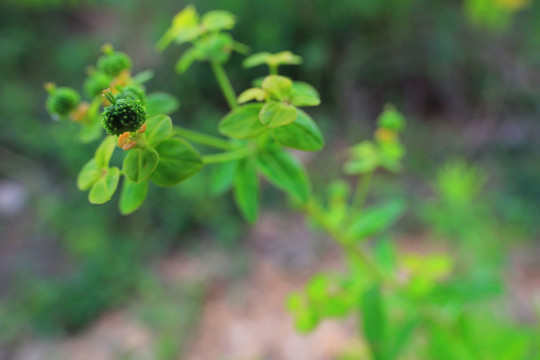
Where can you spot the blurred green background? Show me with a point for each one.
(465, 73)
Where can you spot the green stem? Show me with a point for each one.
(362, 190)
(203, 139)
(225, 84)
(273, 69)
(227, 156)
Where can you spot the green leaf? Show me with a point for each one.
(275, 114)
(255, 59)
(401, 338)
(184, 28)
(217, 47)
(105, 187)
(158, 128)
(218, 20)
(223, 177)
(178, 160)
(303, 94)
(252, 94)
(140, 163)
(90, 132)
(302, 134)
(375, 220)
(104, 152)
(243, 122)
(246, 189)
(143, 76)
(89, 174)
(286, 173)
(277, 86)
(374, 322)
(187, 59)
(132, 196)
(159, 103)
(385, 255)
(364, 158)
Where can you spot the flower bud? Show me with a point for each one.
(62, 101)
(114, 63)
(96, 83)
(124, 115)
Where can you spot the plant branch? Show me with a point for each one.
(225, 84)
(362, 190)
(227, 156)
(204, 139)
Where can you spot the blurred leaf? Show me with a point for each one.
(252, 94)
(364, 158)
(223, 177)
(158, 128)
(184, 28)
(89, 174)
(375, 220)
(466, 291)
(218, 20)
(104, 152)
(286, 173)
(187, 59)
(302, 134)
(143, 76)
(242, 122)
(303, 94)
(140, 163)
(374, 322)
(105, 187)
(401, 338)
(132, 196)
(277, 86)
(385, 255)
(255, 59)
(160, 103)
(178, 160)
(275, 114)
(217, 47)
(246, 189)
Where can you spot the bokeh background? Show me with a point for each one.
(184, 272)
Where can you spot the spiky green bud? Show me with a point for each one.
(113, 63)
(124, 115)
(62, 101)
(132, 92)
(96, 83)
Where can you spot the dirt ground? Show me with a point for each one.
(245, 318)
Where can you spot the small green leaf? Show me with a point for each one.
(218, 20)
(217, 47)
(365, 158)
(187, 59)
(184, 28)
(178, 160)
(246, 189)
(286, 173)
(89, 174)
(159, 103)
(140, 163)
(243, 122)
(255, 59)
(143, 76)
(375, 220)
(302, 134)
(303, 94)
(277, 86)
(158, 128)
(252, 94)
(275, 114)
(105, 187)
(90, 132)
(104, 152)
(132, 196)
(223, 177)
(374, 322)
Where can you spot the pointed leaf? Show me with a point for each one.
(140, 163)
(223, 177)
(375, 220)
(246, 189)
(252, 94)
(302, 134)
(178, 160)
(187, 59)
(374, 322)
(303, 94)
(255, 59)
(275, 114)
(242, 122)
(132, 196)
(218, 20)
(286, 173)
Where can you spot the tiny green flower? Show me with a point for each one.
(62, 101)
(123, 115)
(114, 63)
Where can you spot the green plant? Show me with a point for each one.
(408, 306)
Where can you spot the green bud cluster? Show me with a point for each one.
(63, 101)
(124, 115)
(133, 92)
(96, 83)
(113, 63)
(391, 119)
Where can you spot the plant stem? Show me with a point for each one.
(362, 190)
(273, 69)
(227, 156)
(204, 139)
(225, 84)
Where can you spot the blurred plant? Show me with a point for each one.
(406, 304)
(494, 14)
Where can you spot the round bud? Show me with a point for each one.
(114, 63)
(96, 83)
(132, 92)
(62, 101)
(125, 115)
(391, 119)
